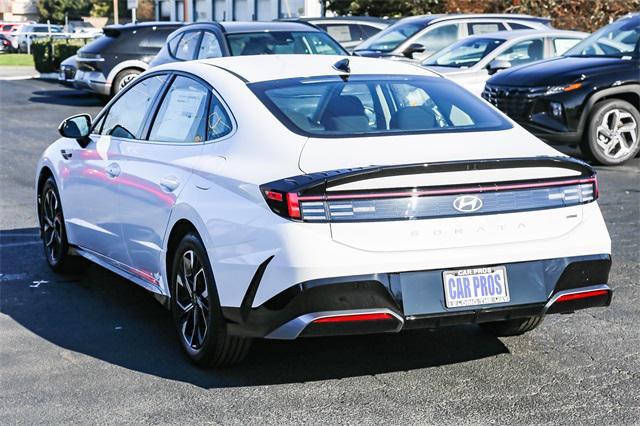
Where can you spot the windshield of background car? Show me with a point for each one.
(615, 40)
(283, 42)
(391, 37)
(464, 54)
(375, 105)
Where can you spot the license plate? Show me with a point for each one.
(475, 286)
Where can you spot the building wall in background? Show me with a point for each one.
(18, 10)
(235, 10)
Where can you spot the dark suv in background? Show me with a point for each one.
(205, 40)
(589, 97)
(111, 61)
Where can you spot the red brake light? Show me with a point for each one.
(355, 317)
(293, 206)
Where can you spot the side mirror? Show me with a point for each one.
(77, 127)
(413, 48)
(497, 65)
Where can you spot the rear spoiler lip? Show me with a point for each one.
(317, 184)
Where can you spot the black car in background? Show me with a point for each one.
(205, 40)
(589, 97)
(349, 31)
(108, 63)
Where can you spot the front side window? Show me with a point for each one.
(465, 53)
(523, 52)
(375, 105)
(615, 40)
(342, 32)
(127, 115)
(561, 45)
(209, 46)
(187, 46)
(392, 37)
(181, 117)
(438, 38)
(283, 42)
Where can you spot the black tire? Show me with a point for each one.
(513, 327)
(203, 336)
(54, 233)
(602, 120)
(123, 78)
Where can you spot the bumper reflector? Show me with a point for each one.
(582, 295)
(355, 317)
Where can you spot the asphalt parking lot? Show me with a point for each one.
(97, 349)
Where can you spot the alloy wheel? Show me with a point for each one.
(192, 300)
(126, 80)
(616, 135)
(52, 226)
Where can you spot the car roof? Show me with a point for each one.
(277, 67)
(373, 19)
(255, 26)
(515, 34)
(428, 19)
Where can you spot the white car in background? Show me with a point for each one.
(472, 61)
(274, 197)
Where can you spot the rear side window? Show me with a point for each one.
(181, 117)
(127, 115)
(187, 46)
(218, 121)
(173, 44)
(485, 27)
(342, 32)
(518, 26)
(209, 47)
(369, 31)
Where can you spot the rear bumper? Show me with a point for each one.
(392, 302)
(92, 81)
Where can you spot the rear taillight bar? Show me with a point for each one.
(307, 197)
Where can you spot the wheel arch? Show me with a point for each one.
(628, 92)
(44, 174)
(181, 228)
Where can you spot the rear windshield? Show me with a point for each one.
(376, 105)
(283, 42)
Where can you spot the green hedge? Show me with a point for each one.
(48, 54)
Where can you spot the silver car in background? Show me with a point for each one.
(470, 62)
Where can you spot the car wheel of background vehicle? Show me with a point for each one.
(613, 133)
(54, 235)
(513, 327)
(123, 78)
(196, 309)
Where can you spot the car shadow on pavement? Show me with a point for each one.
(106, 317)
(67, 96)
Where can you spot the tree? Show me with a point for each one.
(55, 10)
(393, 8)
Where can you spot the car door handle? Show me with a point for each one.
(113, 170)
(169, 183)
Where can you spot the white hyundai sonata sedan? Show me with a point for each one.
(291, 196)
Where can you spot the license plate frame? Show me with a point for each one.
(479, 286)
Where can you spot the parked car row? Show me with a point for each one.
(468, 49)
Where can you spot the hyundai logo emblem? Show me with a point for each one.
(467, 203)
